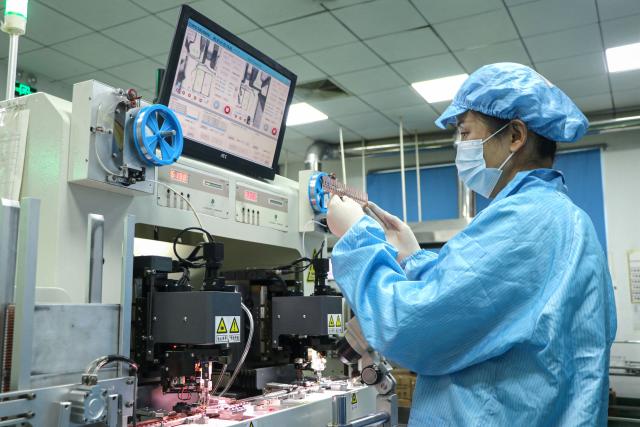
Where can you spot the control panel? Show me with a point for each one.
(209, 194)
(261, 208)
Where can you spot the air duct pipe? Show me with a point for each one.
(317, 152)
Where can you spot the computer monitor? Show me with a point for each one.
(231, 100)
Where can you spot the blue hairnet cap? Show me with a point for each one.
(514, 91)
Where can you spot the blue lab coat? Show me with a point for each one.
(511, 324)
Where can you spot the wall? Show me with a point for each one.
(621, 176)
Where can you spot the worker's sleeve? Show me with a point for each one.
(471, 303)
(418, 264)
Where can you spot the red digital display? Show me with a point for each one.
(251, 196)
(179, 176)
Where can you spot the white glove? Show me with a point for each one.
(397, 232)
(342, 214)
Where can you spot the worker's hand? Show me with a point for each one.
(342, 214)
(397, 232)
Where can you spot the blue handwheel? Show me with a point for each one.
(317, 197)
(157, 135)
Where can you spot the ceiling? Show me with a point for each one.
(373, 49)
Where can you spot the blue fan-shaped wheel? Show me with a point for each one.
(157, 135)
(317, 197)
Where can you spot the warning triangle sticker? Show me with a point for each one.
(354, 399)
(312, 273)
(234, 327)
(222, 328)
(331, 324)
(338, 322)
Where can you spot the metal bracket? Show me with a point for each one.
(64, 416)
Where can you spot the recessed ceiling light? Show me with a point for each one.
(623, 58)
(302, 113)
(442, 89)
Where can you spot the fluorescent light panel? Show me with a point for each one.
(623, 58)
(302, 113)
(442, 89)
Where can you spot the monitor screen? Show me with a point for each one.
(231, 100)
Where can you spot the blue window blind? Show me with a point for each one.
(582, 171)
(439, 187)
(583, 176)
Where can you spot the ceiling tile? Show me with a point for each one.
(326, 130)
(345, 58)
(379, 132)
(266, 43)
(592, 103)
(25, 45)
(101, 77)
(407, 45)
(274, 11)
(428, 68)
(360, 122)
(625, 80)
(97, 50)
(313, 33)
(440, 11)
(336, 4)
(573, 67)
(511, 51)
(477, 30)
(627, 98)
(576, 88)
(342, 107)
(551, 15)
(160, 5)
(140, 73)
(516, 2)
(621, 31)
(418, 117)
(305, 71)
(52, 64)
(575, 41)
(97, 14)
(371, 80)
(156, 35)
(612, 9)
(217, 11)
(47, 26)
(393, 98)
(380, 17)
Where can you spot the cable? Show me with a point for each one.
(91, 374)
(102, 165)
(311, 221)
(244, 353)
(222, 372)
(183, 198)
(189, 261)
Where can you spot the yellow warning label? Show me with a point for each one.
(312, 273)
(338, 322)
(234, 327)
(251, 424)
(354, 399)
(331, 323)
(222, 328)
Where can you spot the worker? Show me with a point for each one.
(512, 322)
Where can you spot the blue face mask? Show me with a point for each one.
(473, 170)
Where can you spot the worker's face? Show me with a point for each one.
(470, 127)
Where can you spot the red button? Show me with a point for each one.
(274, 131)
(227, 109)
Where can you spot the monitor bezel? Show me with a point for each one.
(203, 152)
